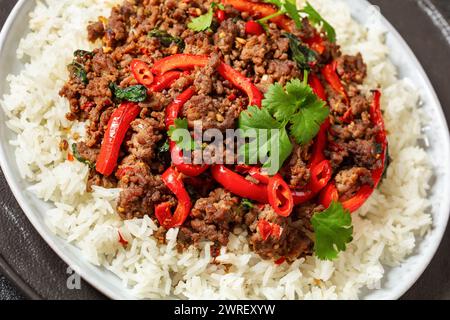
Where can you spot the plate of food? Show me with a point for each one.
(224, 150)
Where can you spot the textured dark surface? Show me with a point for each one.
(35, 271)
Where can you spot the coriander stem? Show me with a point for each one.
(279, 13)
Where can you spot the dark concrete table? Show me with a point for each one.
(434, 283)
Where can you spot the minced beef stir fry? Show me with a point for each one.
(231, 64)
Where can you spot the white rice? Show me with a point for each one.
(385, 228)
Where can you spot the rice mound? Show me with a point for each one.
(385, 228)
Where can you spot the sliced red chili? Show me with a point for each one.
(328, 195)
(118, 125)
(142, 72)
(172, 179)
(280, 196)
(187, 61)
(191, 170)
(253, 28)
(320, 143)
(243, 83)
(221, 15)
(316, 43)
(320, 176)
(261, 10)
(122, 240)
(165, 81)
(238, 185)
(302, 196)
(330, 75)
(316, 85)
(267, 229)
(179, 61)
(173, 109)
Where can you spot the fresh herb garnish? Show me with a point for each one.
(204, 22)
(136, 93)
(317, 19)
(262, 122)
(82, 53)
(302, 55)
(288, 7)
(298, 105)
(182, 140)
(294, 109)
(78, 70)
(79, 158)
(247, 204)
(166, 39)
(164, 147)
(333, 230)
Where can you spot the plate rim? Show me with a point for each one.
(395, 293)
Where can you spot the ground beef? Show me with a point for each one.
(293, 242)
(349, 181)
(141, 190)
(212, 219)
(351, 68)
(146, 135)
(95, 31)
(295, 171)
(214, 113)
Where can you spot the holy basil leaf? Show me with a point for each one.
(78, 70)
(80, 158)
(302, 55)
(136, 93)
(333, 231)
(82, 53)
(166, 39)
(288, 7)
(317, 19)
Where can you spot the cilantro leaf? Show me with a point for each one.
(316, 18)
(298, 105)
(179, 133)
(276, 142)
(247, 204)
(204, 22)
(333, 229)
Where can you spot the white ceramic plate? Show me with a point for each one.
(396, 281)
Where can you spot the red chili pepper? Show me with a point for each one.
(221, 15)
(316, 43)
(267, 229)
(179, 61)
(280, 261)
(172, 179)
(319, 145)
(253, 28)
(238, 185)
(70, 157)
(87, 106)
(122, 171)
(187, 61)
(141, 72)
(302, 196)
(165, 81)
(256, 173)
(172, 112)
(329, 73)
(122, 240)
(330, 193)
(317, 87)
(280, 196)
(243, 83)
(320, 176)
(173, 109)
(191, 170)
(261, 10)
(118, 125)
